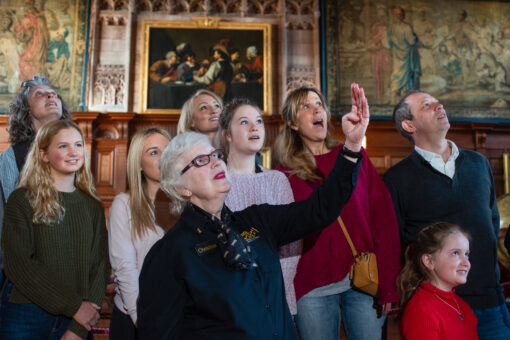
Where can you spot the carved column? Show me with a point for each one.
(301, 24)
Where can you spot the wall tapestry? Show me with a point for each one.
(458, 51)
(43, 36)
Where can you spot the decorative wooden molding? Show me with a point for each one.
(207, 22)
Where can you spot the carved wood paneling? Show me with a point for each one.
(109, 154)
(112, 132)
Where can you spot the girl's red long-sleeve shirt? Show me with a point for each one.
(428, 317)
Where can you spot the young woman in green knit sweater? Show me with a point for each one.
(54, 242)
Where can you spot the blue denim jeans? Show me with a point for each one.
(320, 317)
(29, 321)
(493, 323)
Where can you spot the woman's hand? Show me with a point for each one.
(68, 335)
(386, 308)
(87, 315)
(355, 123)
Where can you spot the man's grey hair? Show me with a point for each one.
(170, 54)
(401, 112)
(252, 50)
(171, 165)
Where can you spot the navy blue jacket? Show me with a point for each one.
(187, 292)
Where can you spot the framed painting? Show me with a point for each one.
(180, 57)
(47, 37)
(458, 51)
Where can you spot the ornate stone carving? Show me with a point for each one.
(301, 14)
(300, 75)
(300, 7)
(111, 19)
(300, 23)
(109, 86)
(114, 5)
(207, 7)
(261, 7)
(295, 81)
(193, 6)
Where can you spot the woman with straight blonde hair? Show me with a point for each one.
(133, 230)
(201, 113)
(306, 152)
(54, 242)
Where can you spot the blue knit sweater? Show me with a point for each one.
(422, 196)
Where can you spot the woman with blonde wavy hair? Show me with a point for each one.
(133, 230)
(306, 152)
(201, 113)
(54, 242)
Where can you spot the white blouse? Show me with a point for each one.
(127, 254)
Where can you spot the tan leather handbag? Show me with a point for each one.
(364, 275)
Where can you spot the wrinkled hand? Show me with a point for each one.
(68, 335)
(355, 123)
(87, 315)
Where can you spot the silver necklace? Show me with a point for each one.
(452, 307)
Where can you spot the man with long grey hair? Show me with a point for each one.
(35, 104)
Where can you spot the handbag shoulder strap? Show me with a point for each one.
(347, 237)
(342, 225)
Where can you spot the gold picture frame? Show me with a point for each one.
(266, 155)
(506, 172)
(251, 76)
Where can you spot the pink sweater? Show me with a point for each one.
(270, 187)
(370, 219)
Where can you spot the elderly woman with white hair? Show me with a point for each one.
(216, 274)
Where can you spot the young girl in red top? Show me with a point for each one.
(436, 262)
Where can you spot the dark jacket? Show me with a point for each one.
(187, 292)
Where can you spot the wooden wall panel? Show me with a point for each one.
(108, 136)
